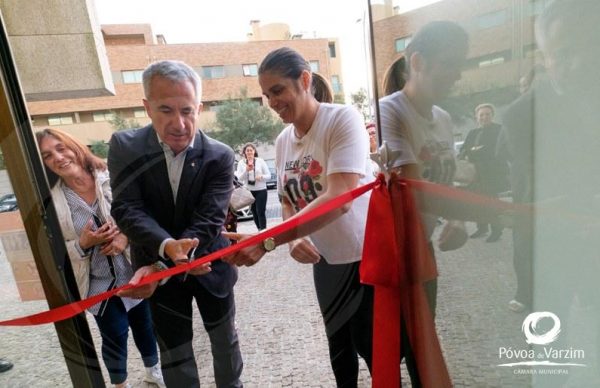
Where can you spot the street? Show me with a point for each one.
(281, 331)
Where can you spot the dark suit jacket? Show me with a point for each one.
(480, 148)
(143, 205)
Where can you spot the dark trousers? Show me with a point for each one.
(114, 328)
(172, 313)
(259, 208)
(347, 309)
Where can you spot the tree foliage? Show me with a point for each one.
(119, 123)
(99, 148)
(361, 102)
(240, 120)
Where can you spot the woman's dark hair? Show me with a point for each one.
(436, 37)
(251, 146)
(83, 155)
(395, 76)
(284, 61)
(321, 89)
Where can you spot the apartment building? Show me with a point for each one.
(224, 67)
(502, 43)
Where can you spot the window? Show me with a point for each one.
(103, 116)
(60, 120)
(139, 113)
(132, 76)
(250, 70)
(492, 19)
(211, 72)
(335, 84)
(491, 62)
(314, 66)
(401, 43)
(332, 49)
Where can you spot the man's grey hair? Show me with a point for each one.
(176, 71)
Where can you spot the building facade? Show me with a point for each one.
(225, 68)
(502, 45)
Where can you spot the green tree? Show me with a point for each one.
(361, 102)
(119, 123)
(99, 148)
(339, 98)
(241, 120)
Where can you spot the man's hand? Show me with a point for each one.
(303, 251)
(177, 250)
(453, 236)
(144, 291)
(247, 256)
(116, 246)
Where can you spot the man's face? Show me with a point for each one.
(173, 109)
(440, 73)
(571, 61)
(484, 116)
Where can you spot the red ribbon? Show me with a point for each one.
(397, 261)
(72, 309)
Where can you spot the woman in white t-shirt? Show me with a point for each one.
(321, 154)
(254, 173)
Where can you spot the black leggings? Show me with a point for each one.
(347, 309)
(259, 208)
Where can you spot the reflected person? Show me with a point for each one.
(412, 123)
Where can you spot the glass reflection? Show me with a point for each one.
(517, 304)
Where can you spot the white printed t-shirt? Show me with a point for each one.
(336, 143)
(427, 143)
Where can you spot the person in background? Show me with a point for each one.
(322, 153)
(372, 131)
(172, 185)
(412, 123)
(480, 148)
(253, 172)
(5, 365)
(98, 251)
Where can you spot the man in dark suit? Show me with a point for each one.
(492, 171)
(171, 187)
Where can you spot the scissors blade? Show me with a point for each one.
(190, 259)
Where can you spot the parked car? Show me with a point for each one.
(244, 214)
(8, 203)
(272, 182)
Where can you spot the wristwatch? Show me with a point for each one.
(268, 244)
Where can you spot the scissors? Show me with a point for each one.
(190, 259)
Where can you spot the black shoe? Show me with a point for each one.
(5, 365)
(493, 237)
(479, 233)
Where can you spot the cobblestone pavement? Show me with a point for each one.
(281, 331)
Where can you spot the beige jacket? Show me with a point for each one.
(81, 264)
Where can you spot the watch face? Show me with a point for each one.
(269, 244)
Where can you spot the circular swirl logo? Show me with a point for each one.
(530, 328)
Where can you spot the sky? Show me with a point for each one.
(194, 21)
